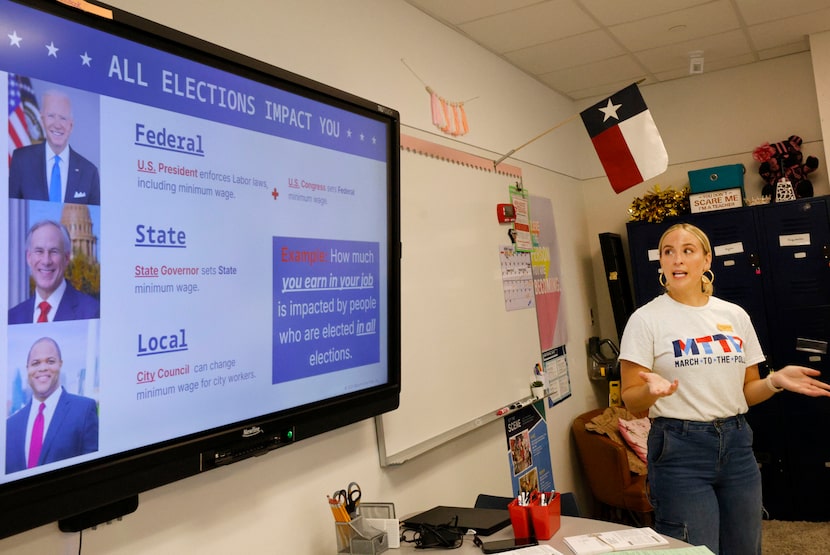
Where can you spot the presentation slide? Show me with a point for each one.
(211, 248)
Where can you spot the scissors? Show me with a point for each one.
(349, 497)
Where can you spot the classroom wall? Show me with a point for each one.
(275, 503)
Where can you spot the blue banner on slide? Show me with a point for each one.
(326, 306)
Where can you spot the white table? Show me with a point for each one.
(570, 526)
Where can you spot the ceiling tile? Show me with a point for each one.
(564, 53)
(462, 11)
(612, 70)
(708, 67)
(785, 50)
(675, 27)
(604, 89)
(716, 47)
(789, 30)
(718, 64)
(525, 27)
(612, 12)
(761, 11)
(674, 73)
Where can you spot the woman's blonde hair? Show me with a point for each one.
(705, 281)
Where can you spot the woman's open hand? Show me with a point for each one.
(800, 379)
(658, 385)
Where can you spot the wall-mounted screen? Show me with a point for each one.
(202, 259)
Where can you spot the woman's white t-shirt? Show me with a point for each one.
(707, 349)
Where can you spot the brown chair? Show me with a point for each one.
(620, 494)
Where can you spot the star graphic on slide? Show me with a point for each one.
(53, 50)
(14, 39)
(85, 59)
(610, 111)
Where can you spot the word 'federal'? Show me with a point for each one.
(166, 140)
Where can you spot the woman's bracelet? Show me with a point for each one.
(771, 385)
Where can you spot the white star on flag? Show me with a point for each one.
(14, 39)
(610, 111)
(53, 50)
(85, 59)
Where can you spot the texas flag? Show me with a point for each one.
(626, 139)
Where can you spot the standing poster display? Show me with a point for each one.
(528, 449)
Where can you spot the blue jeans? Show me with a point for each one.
(705, 484)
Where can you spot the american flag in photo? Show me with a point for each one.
(21, 94)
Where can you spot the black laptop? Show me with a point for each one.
(483, 521)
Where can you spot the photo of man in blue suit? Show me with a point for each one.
(52, 170)
(54, 425)
(48, 251)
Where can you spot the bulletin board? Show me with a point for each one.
(464, 356)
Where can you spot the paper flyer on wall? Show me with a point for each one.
(521, 204)
(557, 380)
(528, 449)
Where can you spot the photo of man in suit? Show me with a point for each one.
(54, 425)
(52, 170)
(48, 251)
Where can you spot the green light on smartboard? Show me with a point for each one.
(289, 435)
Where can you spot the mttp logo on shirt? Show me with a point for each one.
(721, 348)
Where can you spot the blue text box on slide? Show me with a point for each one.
(326, 306)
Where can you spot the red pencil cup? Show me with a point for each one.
(545, 519)
(520, 519)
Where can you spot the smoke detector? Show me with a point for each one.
(695, 62)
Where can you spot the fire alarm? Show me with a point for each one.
(506, 213)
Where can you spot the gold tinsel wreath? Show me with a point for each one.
(657, 205)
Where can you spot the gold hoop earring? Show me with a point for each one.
(661, 278)
(706, 279)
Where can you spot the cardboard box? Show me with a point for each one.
(716, 200)
(717, 178)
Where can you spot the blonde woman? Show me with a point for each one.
(691, 360)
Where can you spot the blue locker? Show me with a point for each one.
(797, 235)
